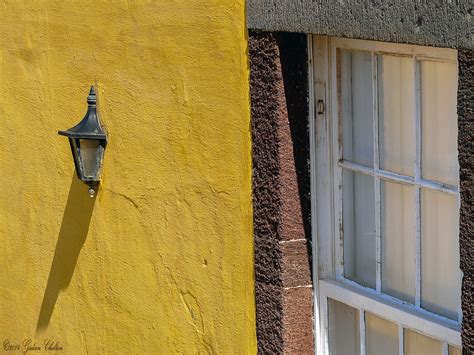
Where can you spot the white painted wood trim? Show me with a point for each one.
(401, 340)
(336, 139)
(444, 348)
(409, 306)
(417, 247)
(324, 340)
(322, 155)
(417, 122)
(382, 306)
(322, 190)
(378, 206)
(362, 330)
(399, 178)
(420, 52)
(318, 348)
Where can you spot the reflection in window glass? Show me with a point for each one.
(359, 228)
(396, 102)
(398, 240)
(418, 344)
(357, 106)
(343, 329)
(454, 350)
(381, 336)
(439, 121)
(440, 274)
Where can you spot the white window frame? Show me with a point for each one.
(326, 181)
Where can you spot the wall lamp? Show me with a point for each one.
(88, 140)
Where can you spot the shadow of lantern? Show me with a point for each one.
(72, 235)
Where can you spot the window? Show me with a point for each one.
(386, 198)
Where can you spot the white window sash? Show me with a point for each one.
(326, 180)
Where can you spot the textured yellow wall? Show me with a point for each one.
(161, 261)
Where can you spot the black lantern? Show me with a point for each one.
(88, 140)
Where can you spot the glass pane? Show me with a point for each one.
(343, 329)
(381, 336)
(88, 151)
(357, 106)
(418, 344)
(454, 350)
(398, 240)
(439, 121)
(440, 273)
(396, 95)
(359, 228)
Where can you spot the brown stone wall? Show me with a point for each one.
(279, 92)
(466, 162)
(266, 199)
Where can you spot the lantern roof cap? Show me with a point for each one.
(89, 127)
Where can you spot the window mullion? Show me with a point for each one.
(362, 331)
(418, 247)
(417, 181)
(399, 178)
(401, 340)
(445, 348)
(337, 143)
(375, 118)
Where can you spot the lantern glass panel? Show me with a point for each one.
(90, 156)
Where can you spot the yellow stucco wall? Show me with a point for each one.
(162, 260)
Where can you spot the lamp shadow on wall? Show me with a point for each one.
(72, 235)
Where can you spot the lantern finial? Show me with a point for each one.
(92, 98)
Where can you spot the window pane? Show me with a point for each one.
(357, 106)
(439, 121)
(440, 273)
(396, 95)
(381, 336)
(343, 329)
(454, 350)
(418, 344)
(359, 228)
(398, 240)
